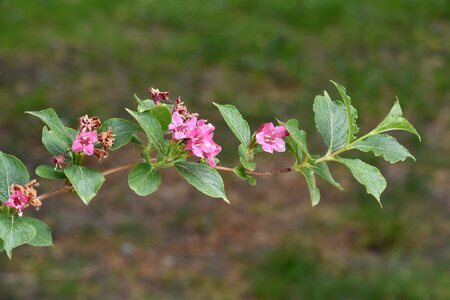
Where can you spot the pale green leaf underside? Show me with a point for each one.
(367, 175)
(331, 121)
(85, 181)
(12, 171)
(384, 145)
(236, 122)
(203, 177)
(152, 128)
(314, 192)
(352, 113)
(14, 231)
(144, 179)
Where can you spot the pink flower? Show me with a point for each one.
(180, 128)
(201, 142)
(271, 137)
(157, 96)
(17, 200)
(84, 141)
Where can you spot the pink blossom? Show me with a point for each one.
(270, 137)
(201, 142)
(17, 200)
(84, 141)
(180, 128)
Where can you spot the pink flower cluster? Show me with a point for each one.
(84, 142)
(198, 133)
(270, 137)
(17, 200)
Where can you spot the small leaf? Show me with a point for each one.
(122, 129)
(352, 113)
(85, 181)
(323, 171)
(151, 127)
(145, 105)
(314, 192)
(53, 142)
(12, 171)
(203, 177)
(15, 232)
(245, 158)
(386, 146)
(395, 121)
(241, 173)
(331, 121)
(144, 179)
(367, 175)
(51, 119)
(163, 114)
(49, 172)
(236, 122)
(297, 135)
(43, 237)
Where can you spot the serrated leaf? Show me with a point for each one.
(236, 122)
(49, 172)
(15, 232)
(384, 145)
(43, 237)
(144, 179)
(367, 175)
(314, 192)
(245, 158)
(352, 113)
(122, 129)
(203, 177)
(12, 171)
(395, 121)
(323, 171)
(51, 119)
(152, 128)
(85, 181)
(163, 114)
(331, 121)
(295, 134)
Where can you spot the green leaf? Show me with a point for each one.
(386, 146)
(203, 177)
(145, 105)
(245, 158)
(241, 173)
(51, 119)
(122, 129)
(1, 246)
(43, 237)
(352, 113)
(163, 114)
(144, 179)
(12, 171)
(323, 171)
(236, 122)
(85, 181)
(314, 192)
(331, 121)
(15, 232)
(395, 121)
(53, 142)
(295, 134)
(49, 172)
(367, 175)
(151, 127)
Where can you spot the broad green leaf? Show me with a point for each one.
(144, 179)
(14, 231)
(49, 172)
(85, 181)
(352, 113)
(294, 148)
(203, 177)
(395, 121)
(122, 129)
(245, 158)
(43, 237)
(151, 127)
(297, 135)
(314, 192)
(236, 122)
(145, 105)
(51, 119)
(163, 114)
(53, 142)
(331, 121)
(367, 175)
(241, 173)
(1, 246)
(322, 170)
(386, 146)
(12, 171)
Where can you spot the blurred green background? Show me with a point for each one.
(269, 58)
